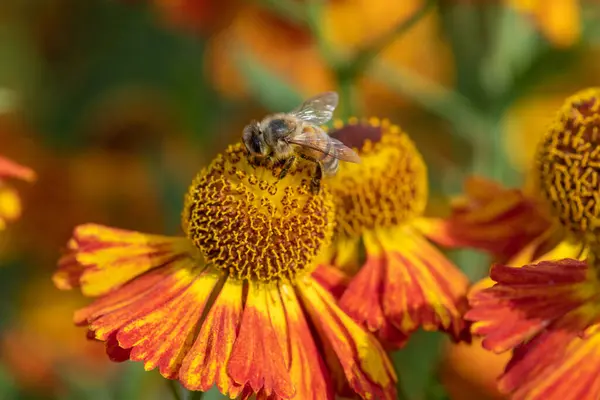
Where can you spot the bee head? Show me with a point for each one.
(254, 140)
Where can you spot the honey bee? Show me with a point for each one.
(287, 136)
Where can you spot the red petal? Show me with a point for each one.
(257, 356)
(206, 362)
(365, 365)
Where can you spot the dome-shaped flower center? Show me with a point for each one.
(387, 188)
(568, 164)
(248, 222)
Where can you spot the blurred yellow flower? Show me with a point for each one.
(289, 51)
(10, 204)
(559, 20)
(41, 342)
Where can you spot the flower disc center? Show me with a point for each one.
(387, 188)
(568, 164)
(248, 222)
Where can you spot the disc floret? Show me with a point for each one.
(248, 222)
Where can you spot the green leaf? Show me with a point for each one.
(272, 91)
(417, 362)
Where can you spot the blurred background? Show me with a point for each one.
(116, 104)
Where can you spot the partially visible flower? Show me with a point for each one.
(559, 20)
(398, 281)
(232, 303)
(504, 222)
(549, 312)
(10, 204)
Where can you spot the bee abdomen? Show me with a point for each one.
(330, 165)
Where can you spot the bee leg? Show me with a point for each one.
(315, 182)
(286, 167)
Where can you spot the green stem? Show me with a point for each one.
(174, 388)
(196, 395)
(435, 98)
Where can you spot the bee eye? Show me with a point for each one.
(256, 144)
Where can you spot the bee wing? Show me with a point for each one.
(318, 109)
(325, 144)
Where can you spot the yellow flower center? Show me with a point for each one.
(387, 188)
(253, 225)
(568, 164)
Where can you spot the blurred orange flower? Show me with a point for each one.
(289, 51)
(197, 15)
(559, 20)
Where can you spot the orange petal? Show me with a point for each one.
(555, 365)
(362, 300)
(528, 299)
(153, 318)
(307, 368)
(416, 286)
(364, 363)
(10, 169)
(489, 217)
(163, 336)
(257, 357)
(109, 257)
(206, 362)
(331, 278)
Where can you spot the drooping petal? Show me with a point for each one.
(409, 284)
(100, 258)
(347, 346)
(307, 368)
(527, 300)
(489, 217)
(556, 365)
(206, 362)
(155, 316)
(257, 358)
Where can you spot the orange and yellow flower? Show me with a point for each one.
(10, 205)
(549, 312)
(396, 281)
(233, 302)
